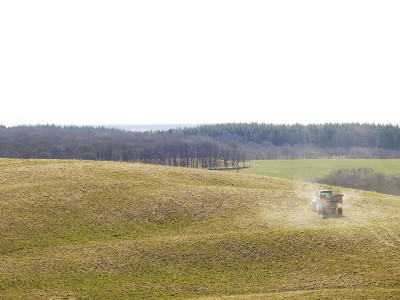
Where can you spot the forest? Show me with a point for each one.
(205, 146)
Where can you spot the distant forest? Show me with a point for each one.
(205, 146)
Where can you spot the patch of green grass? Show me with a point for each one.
(303, 169)
(107, 230)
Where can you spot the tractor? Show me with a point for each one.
(327, 204)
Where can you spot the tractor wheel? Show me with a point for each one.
(324, 213)
(340, 211)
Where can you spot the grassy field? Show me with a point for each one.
(107, 230)
(303, 169)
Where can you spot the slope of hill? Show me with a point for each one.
(103, 230)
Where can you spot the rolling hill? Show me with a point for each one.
(109, 230)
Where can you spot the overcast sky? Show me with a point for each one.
(156, 62)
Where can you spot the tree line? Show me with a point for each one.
(89, 143)
(205, 146)
(294, 141)
(335, 135)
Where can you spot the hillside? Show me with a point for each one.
(108, 230)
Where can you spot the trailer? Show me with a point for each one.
(328, 204)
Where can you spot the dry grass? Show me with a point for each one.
(84, 230)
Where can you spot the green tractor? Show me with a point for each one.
(328, 204)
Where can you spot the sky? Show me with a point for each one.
(160, 62)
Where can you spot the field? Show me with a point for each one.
(108, 230)
(303, 169)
